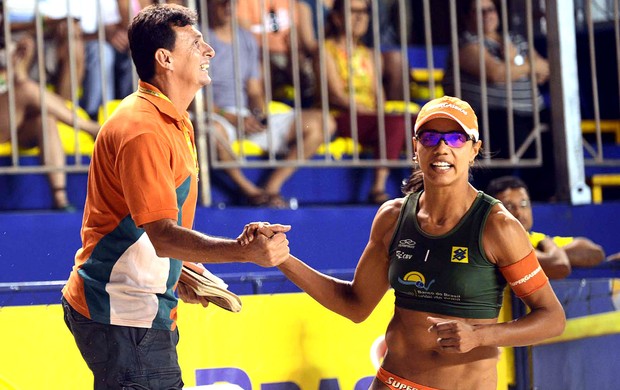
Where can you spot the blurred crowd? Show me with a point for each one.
(318, 52)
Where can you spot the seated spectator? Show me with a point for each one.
(521, 60)
(250, 112)
(29, 120)
(116, 61)
(389, 35)
(275, 20)
(557, 255)
(364, 91)
(56, 29)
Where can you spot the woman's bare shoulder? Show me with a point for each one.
(504, 239)
(391, 208)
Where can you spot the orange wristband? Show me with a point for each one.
(525, 276)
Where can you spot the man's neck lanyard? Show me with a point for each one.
(186, 131)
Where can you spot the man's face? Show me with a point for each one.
(191, 58)
(517, 201)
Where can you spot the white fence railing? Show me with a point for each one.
(441, 23)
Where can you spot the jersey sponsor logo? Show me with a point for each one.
(526, 277)
(396, 384)
(459, 254)
(415, 278)
(406, 243)
(403, 256)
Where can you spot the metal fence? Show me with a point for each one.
(421, 23)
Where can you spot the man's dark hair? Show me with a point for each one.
(501, 184)
(152, 29)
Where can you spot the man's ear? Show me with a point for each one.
(163, 57)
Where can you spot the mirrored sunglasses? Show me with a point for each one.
(454, 139)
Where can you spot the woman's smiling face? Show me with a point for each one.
(441, 161)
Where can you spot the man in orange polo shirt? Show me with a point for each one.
(120, 301)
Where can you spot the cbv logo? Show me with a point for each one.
(403, 256)
(238, 377)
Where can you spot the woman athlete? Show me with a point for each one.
(448, 251)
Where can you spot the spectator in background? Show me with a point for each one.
(521, 59)
(116, 61)
(364, 91)
(389, 35)
(56, 30)
(275, 20)
(557, 255)
(29, 120)
(251, 109)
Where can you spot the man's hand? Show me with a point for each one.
(254, 124)
(188, 295)
(614, 257)
(453, 336)
(266, 242)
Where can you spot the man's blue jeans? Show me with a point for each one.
(123, 357)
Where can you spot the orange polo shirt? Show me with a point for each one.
(143, 169)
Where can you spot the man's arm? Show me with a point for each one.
(582, 252)
(553, 259)
(172, 240)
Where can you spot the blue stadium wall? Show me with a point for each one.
(40, 245)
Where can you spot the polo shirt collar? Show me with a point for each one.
(159, 100)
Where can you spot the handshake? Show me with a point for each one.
(267, 241)
(261, 243)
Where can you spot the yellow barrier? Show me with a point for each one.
(275, 338)
(590, 326)
(607, 126)
(603, 180)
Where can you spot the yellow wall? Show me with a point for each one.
(275, 338)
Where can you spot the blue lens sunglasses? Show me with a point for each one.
(454, 139)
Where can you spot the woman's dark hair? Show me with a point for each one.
(333, 28)
(464, 8)
(414, 183)
(152, 29)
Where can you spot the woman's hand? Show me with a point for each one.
(453, 336)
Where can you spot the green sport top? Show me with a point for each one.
(447, 274)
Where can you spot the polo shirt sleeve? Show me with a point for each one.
(147, 179)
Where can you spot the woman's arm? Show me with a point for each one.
(357, 299)
(506, 242)
(495, 68)
(336, 88)
(541, 67)
(307, 41)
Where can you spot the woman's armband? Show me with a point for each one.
(525, 276)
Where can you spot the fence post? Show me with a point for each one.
(565, 109)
